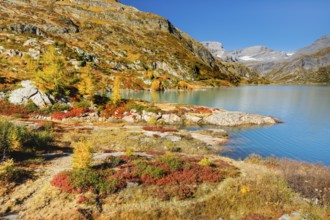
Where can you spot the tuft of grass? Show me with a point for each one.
(129, 152)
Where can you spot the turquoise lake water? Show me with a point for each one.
(305, 110)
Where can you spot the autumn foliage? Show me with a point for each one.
(82, 155)
(74, 112)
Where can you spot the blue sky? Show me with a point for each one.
(279, 24)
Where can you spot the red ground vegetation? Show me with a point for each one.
(74, 112)
(159, 129)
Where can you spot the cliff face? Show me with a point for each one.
(117, 39)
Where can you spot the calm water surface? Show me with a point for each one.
(305, 135)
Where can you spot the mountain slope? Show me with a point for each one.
(116, 39)
(306, 69)
(318, 45)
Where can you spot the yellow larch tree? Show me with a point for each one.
(115, 94)
(82, 155)
(86, 85)
(53, 77)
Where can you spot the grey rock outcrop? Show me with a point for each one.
(22, 96)
(170, 119)
(238, 119)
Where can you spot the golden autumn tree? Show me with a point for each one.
(156, 85)
(53, 77)
(115, 94)
(82, 155)
(86, 85)
(31, 65)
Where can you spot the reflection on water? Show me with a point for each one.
(305, 135)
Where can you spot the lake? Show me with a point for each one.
(305, 110)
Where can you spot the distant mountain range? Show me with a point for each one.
(308, 65)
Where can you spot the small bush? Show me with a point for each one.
(129, 152)
(143, 169)
(62, 181)
(19, 138)
(90, 180)
(7, 170)
(205, 162)
(172, 162)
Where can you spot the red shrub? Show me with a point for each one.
(113, 111)
(61, 180)
(8, 108)
(196, 174)
(74, 112)
(127, 177)
(202, 110)
(81, 199)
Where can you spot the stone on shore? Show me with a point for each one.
(238, 119)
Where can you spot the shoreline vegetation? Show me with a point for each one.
(134, 160)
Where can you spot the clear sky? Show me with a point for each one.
(278, 24)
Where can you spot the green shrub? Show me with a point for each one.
(172, 162)
(129, 152)
(144, 169)
(153, 171)
(19, 138)
(10, 173)
(83, 104)
(89, 179)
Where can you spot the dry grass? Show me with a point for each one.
(312, 181)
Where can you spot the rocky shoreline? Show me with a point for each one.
(174, 115)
